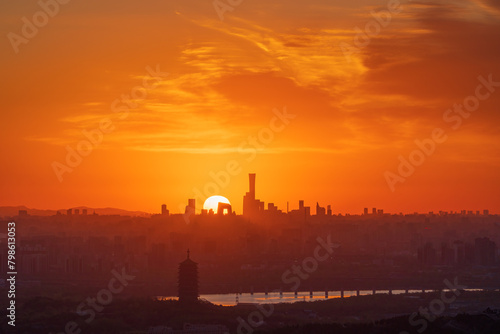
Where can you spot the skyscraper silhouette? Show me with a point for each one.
(251, 206)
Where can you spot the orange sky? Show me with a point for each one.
(353, 116)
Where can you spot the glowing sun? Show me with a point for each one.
(213, 202)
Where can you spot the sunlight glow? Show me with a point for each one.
(213, 203)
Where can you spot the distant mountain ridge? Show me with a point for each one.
(10, 211)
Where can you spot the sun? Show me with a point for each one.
(213, 202)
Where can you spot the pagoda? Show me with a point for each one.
(188, 281)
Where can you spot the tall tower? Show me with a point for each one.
(251, 178)
(251, 207)
(188, 281)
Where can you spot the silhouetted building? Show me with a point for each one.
(305, 210)
(223, 208)
(251, 206)
(365, 211)
(188, 281)
(164, 210)
(191, 207)
(251, 178)
(302, 213)
(320, 211)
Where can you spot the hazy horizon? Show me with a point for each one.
(321, 100)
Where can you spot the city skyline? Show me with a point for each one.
(252, 206)
(392, 104)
